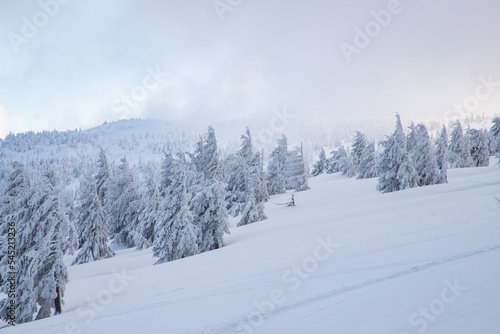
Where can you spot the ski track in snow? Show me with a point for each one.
(231, 327)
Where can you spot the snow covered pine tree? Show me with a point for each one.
(441, 155)
(394, 165)
(276, 178)
(423, 158)
(208, 206)
(44, 235)
(92, 224)
(320, 165)
(176, 237)
(458, 151)
(122, 205)
(479, 148)
(367, 168)
(495, 137)
(357, 149)
(251, 207)
(296, 170)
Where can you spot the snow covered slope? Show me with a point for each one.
(345, 260)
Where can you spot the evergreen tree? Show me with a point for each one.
(394, 165)
(357, 149)
(296, 170)
(411, 140)
(261, 193)
(254, 167)
(176, 237)
(407, 176)
(276, 174)
(210, 219)
(15, 209)
(495, 136)
(367, 168)
(424, 159)
(150, 214)
(346, 166)
(208, 204)
(236, 186)
(336, 161)
(166, 173)
(42, 239)
(102, 176)
(459, 153)
(320, 165)
(93, 224)
(198, 156)
(245, 177)
(441, 153)
(123, 205)
(52, 275)
(252, 212)
(479, 148)
(211, 165)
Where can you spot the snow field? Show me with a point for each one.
(393, 258)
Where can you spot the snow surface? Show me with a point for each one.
(394, 256)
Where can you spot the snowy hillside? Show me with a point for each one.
(347, 259)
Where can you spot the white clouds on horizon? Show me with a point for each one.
(10, 123)
(263, 55)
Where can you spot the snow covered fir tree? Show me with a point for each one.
(176, 237)
(441, 152)
(209, 203)
(276, 168)
(44, 235)
(495, 137)
(92, 222)
(181, 204)
(367, 167)
(394, 165)
(458, 150)
(424, 160)
(122, 204)
(247, 188)
(320, 165)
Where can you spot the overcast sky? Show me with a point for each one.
(80, 63)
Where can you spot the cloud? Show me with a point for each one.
(9, 123)
(265, 54)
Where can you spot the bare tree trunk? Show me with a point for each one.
(57, 301)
